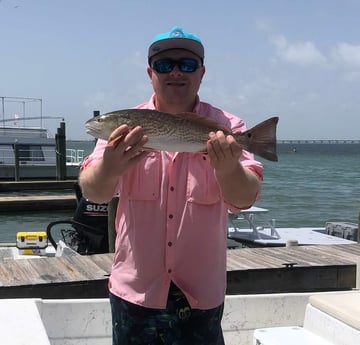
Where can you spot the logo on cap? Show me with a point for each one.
(177, 34)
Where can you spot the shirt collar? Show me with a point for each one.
(151, 103)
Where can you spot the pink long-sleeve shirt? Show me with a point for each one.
(171, 224)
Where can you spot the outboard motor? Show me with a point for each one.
(91, 223)
(87, 232)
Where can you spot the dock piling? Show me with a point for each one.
(60, 139)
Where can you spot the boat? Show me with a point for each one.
(311, 317)
(329, 318)
(31, 152)
(35, 149)
(253, 235)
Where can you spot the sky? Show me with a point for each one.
(299, 60)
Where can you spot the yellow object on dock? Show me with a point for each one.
(31, 242)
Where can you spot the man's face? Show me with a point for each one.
(176, 86)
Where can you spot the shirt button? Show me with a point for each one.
(171, 216)
(172, 188)
(169, 244)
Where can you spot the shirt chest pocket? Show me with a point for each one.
(143, 181)
(202, 186)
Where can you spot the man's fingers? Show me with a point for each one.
(136, 147)
(126, 138)
(114, 142)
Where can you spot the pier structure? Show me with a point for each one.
(318, 141)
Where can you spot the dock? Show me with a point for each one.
(39, 185)
(249, 271)
(37, 203)
(59, 195)
(292, 269)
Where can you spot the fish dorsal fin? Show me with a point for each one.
(203, 121)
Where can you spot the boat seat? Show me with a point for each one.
(343, 306)
(330, 318)
(335, 317)
(287, 335)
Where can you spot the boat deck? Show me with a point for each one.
(249, 271)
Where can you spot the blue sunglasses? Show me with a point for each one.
(185, 65)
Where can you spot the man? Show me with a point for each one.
(168, 278)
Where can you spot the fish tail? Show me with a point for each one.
(261, 139)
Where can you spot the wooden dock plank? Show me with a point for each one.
(343, 251)
(299, 255)
(13, 186)
(61, 195)
(37, 202)
(86, 267)
(104, 262)
(319, 268)
(250, 270)
(302, 255)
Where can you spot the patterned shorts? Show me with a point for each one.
(178, 324)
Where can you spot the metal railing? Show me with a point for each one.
(74, 156)
(33, 156)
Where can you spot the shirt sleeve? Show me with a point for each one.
(96, 155)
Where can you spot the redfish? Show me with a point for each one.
(184, 132)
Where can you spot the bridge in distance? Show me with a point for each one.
(292, 142)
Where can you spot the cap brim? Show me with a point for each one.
(176, 43)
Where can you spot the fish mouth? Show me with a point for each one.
(93, 131)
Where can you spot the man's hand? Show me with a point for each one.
(124, 149)
(224, 152)
(239, 186)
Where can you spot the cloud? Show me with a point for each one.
(346, 54)
(301, 53)
(264, 24)
(347, 57)
(343, 57)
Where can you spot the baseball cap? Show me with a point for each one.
(177, 38)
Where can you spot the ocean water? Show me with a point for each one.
(318, 183)
(309, 185)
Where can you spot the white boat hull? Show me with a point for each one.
(88, 321)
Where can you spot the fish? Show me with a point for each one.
(184, 132)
